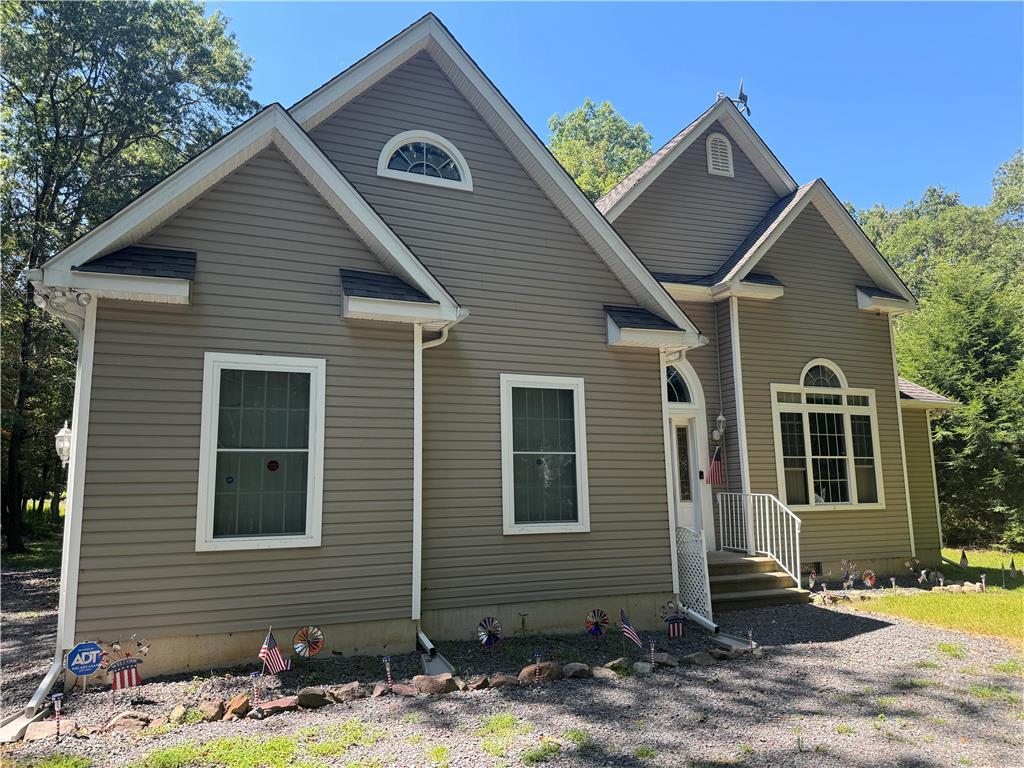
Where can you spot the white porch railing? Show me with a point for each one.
(760, 524)
(692, 561)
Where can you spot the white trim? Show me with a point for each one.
(75, 502)
(417, 470)
(391, 310)
(670, 494)
(272, 126)
(213, 364)
(881, 304)
(427, 137)
(744, 135)
(925, 405)
(903, 442)
(711, 160)
(655, 338)
(737, 288)
(575, 385)
(935, 479)
(737, 377)
(428, 34)
(162, 290)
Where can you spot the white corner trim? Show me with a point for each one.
(654, 338)
(935, 479)
(697, 411)
(75, 502)
(213, 364)
(507, 382)
(160, 290)
(428, 137)
(881, 304)
(903, 441)
(737, 374)
(711, 161)
(417, 470)
(670, 496)
(391, 310)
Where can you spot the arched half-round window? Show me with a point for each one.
(821, 376)
(678, 392)
(424, 157)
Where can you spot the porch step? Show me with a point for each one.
(728, 563)
(748, 582)
(758, 598)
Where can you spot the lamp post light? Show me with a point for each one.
(63, 444)
(718, 433)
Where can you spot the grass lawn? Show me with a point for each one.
(41, 552)
(999, 612)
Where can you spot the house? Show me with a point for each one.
(375, 363)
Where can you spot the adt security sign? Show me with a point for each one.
(84, 659)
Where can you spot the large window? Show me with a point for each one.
(543, 454)
(826, 441)
(425, 157)
(261, 455)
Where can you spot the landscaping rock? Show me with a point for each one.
(620, 664)
(255, 714)
(700, 659)
(276, 706)
(345, 693)
(721, 654)
(642, 668)
(129, 720)
(954, 588)
(971, 587)
(44, 729)
(212, 710)
(500, 680)
(435, 684)
(404, 689)
(313, 698)
(663, 659)
(544, 672)
(237, 706)
(575, 669)
(379, 689)
(177, 715)
(478, 683)
(603, 673)
(160, 722)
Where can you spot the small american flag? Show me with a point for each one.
(676, 626)
(714, 476)
(271, 656)
(126, 673)
(628, 631)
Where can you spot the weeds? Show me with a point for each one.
(953, 650)
(928, 664)
(438, 755)
(844, 730)
(581, 739)
(542, 753)
(644, 752)
(1011, 667)
(995, 693)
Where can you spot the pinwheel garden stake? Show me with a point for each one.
(536, 668)
(652, 655)
(255, 689)
(56, 698)
(387, 671)
(596, 623)
(308, 641)
(489, 631)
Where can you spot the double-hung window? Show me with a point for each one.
(261, 452)
(826, 441)
(543, 455)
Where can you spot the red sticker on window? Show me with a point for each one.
(273, 465)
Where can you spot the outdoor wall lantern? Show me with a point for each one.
(716, 434)
(63, 443)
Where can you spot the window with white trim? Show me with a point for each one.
(261, 452)
(719, 151)
(425, 157)
(826, 441)
(543, 455)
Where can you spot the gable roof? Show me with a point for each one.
(376, 285)
(619, 198)
(781, 215)
(911, 393)
(272, 126)
(430, 35)
(145, 262)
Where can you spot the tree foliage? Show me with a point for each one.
(100, 101)
(597, 146)
(966, 340)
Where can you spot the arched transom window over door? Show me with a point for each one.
(424, 157)
(826, 440)
(678, 392)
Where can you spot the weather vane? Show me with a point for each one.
(740, 101)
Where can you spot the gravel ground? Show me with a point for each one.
(834, 688)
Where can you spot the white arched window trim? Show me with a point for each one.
(408, 137)
(854, 402)
(712, 169)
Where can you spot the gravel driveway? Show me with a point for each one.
(833, 689)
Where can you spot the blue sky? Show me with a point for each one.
(880, 99)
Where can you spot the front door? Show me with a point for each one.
(687, 481)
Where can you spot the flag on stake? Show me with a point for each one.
(676, 626)
(271, 656)
(628, 631)
(125, 673)
(714, 476)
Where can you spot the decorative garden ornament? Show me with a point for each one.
(255, 676)
(983, 582)
(892, 580)
(536, 667)
(596, 622)
(923, 578)
(869, 579)
(56, 699)
(387, 672)
(489, 631)
(1013, 569)
(963, 559)
(811, 579)
(308, 641)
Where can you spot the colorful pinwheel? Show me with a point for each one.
(597, 622)
(308, 641)
(489, 631)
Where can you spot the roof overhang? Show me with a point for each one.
(724, 112)
(682, 291)
(927, 405)
(664, 339)
(885, 304)
(430, 315)
(430, 35)
(101, 285)
(914, 397)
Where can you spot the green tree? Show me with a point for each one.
(597, 146)
(100, 101)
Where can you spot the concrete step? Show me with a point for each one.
(749, 582)
(758, 598)
(741, 564)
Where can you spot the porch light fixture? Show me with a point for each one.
(63, 443)
(716, 434)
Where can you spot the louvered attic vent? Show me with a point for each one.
(719, 155)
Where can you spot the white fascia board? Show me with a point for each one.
(665, 340)
(925, 405)
(740, 131)
(745, 290)
(881, 304)
(688, 291)
(429, 35)
(390, 310)
(159, 290)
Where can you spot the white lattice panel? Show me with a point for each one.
(694, 588)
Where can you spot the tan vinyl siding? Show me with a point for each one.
(818, 317)
(920, 474)
(266, 282)
(733, 479)
(535, 293)
(689, 221)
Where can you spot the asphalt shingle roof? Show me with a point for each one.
(874, 292)
(635, 317)
(144, 262)
(911, 391)
(377, 285)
